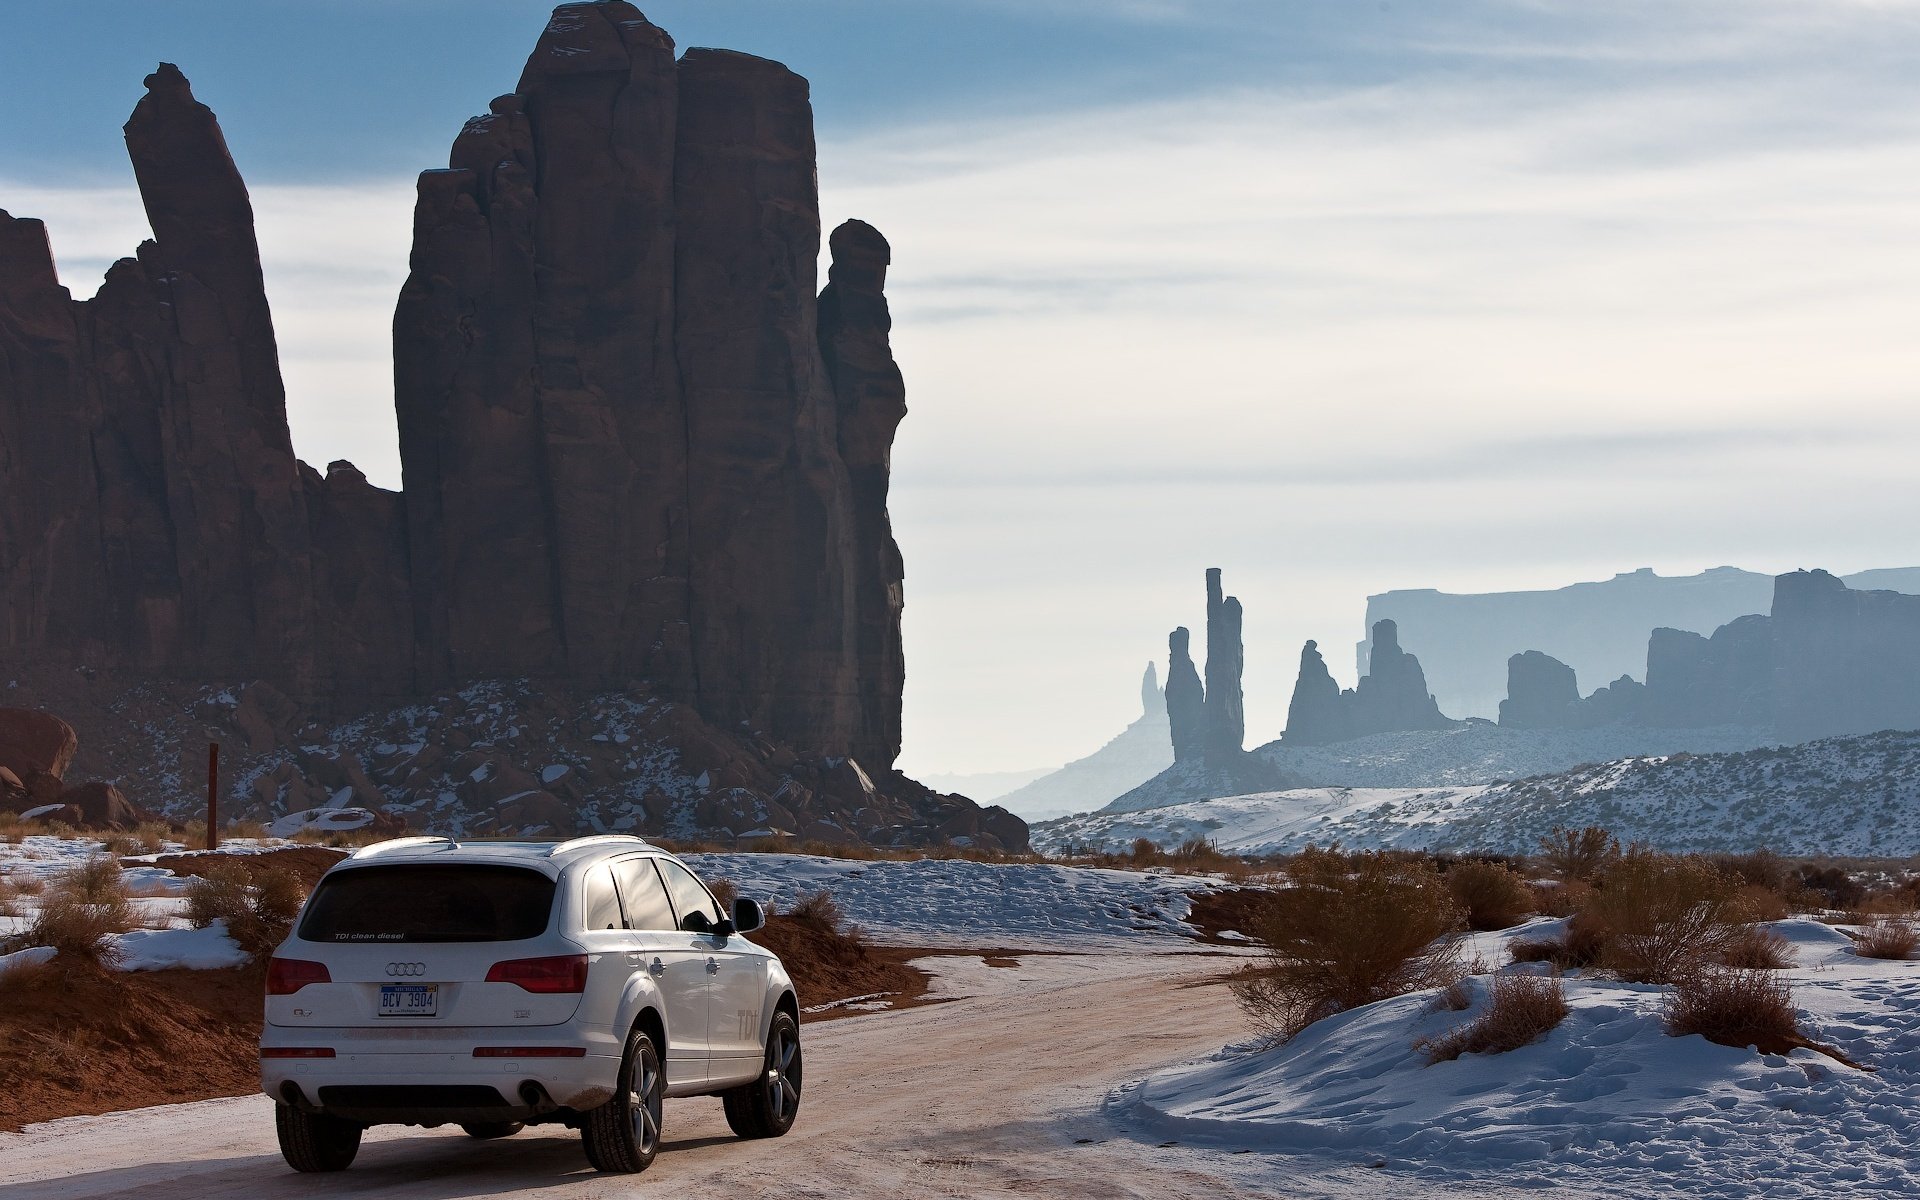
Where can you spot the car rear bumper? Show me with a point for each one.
(371, 1080)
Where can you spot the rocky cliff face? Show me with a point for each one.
(1392, 696)
(1186, 700)
(638, 449)
(1226, 659)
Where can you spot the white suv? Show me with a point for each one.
(494, 985)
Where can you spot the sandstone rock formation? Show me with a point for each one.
(1392, 696)
(1226, 659)
(1540, 691)
(638, 449)
(1186, 700)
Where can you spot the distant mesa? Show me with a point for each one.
(1599, 628)
(1391, 697)
(642, 449)
(1829, 661)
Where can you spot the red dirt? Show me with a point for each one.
(75, 1039)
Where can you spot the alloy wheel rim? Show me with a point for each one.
(644, 1104)
(783, 1075)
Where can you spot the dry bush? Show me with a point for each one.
(1762, 904)
(1561, 899)
(121, 845)
(1753, 948)
(82, 910)
(818, 909)
(1889, 937)
(151, 836)
(1578, 854)
(1735, 1007)
(258, 907)
(27, 885)
(1350, 931)
(725, 892)
(1761, 869)
(1455, 997)
(1578, 947)
(1491, 895)
(1522, 1010)
(1832, 884)
(243, 827)
(9, 897)
(1660, 916)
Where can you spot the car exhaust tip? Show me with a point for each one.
(535, 1097)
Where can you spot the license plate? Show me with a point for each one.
(410, 1000)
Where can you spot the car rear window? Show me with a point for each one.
(439, 902)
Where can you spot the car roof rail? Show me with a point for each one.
(594, 839)
(419, 841)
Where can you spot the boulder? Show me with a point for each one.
(32, 741)
(103, 806)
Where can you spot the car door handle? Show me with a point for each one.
(713, 966)
(656, 967)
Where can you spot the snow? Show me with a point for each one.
(1841, 796)
(1608, 1098)
(195, 949)
(322, 820)
(955, 902)
(26, 958)
(38, 811)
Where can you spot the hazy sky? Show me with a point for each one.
(1338, 296)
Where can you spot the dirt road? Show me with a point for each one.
(995, 1093)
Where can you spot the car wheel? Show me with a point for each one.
(623, 1135)
(486, 1131)
(315, 1142)
(766, 1107)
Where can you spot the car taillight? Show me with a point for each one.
(285, 976)
(529, 1051)
(562, 973)
(296, 1052)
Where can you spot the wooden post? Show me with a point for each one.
(213, 795)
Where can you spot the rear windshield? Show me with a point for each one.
(439, 902)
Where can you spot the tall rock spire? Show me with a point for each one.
(1226, 657)
(1186, 700)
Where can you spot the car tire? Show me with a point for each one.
(315, 1142)
(623, 1135)
(766, 1107)
(486, 1131)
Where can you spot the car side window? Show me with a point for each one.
(602, 907)
(643, 894)
(698, 912)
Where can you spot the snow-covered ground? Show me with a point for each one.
(1608, 1098)
(159, 904)
(954, 902)
(1845, 796)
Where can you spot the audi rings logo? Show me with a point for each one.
(406, 970)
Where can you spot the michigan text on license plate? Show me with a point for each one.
(410, 1000)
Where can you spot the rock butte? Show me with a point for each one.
(638, 449)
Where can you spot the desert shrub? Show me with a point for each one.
(81, 911)
(151, 836)
(725, 891)
(120, 845)
(27, 885)
(1580, 945)
(1492, 896)
(1762, 904)
(1351, 930)
(244, 827)
(1660, 916)
(1455, 997)
(1834, 887)
(1888, 937)
(1735, 1007)
(1144, 850)
(1754, 948)
(1561, 899)
(258, 907)
(9, 898)
(1521, 1009)
(818, 909)
(1578, 854)
(1760, 869)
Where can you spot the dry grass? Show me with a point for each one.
(258, 907)
(1895, 938)
(818, 910)
(335, 839)
(1521, 1010)
(1560, 899)
(9, 897)
(1661, 916)
(82, 910)
(1579, 854)
(243, 828)
(1455, 997)
(1753, 948)
(1579, 947)
(725, 891)
(1351, 930)
(1491, 895)
(1736, 1007)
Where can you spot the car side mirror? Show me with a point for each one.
(747, 915)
